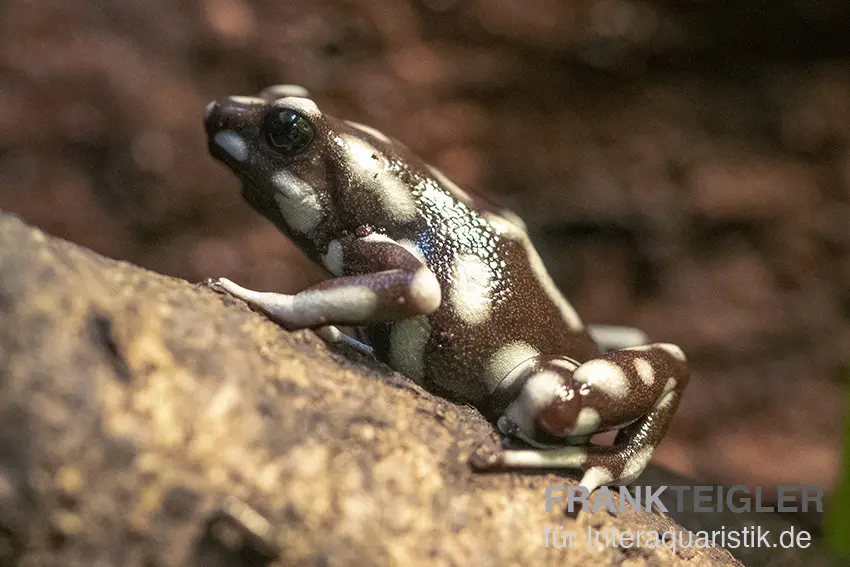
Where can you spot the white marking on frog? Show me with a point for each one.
(668, 395)
(377, 134)
(540, 390)
(604, 375)
(298, 202)
(504, 227)
(378, 237)
(283, 91)
(246, 100)
(425, 290)
(303, 106)
(305, 309)
(587, 421)
(408, 340)
(352, 303)
(635, 465)
(370, 170)
(506, 359)
(333, 260)
(644, 370)
(596, 477)
(673, 351)
(208, 109)
(232, 143)
(471, 289)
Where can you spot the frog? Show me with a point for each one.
(446, 287)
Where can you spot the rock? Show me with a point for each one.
(145, 420)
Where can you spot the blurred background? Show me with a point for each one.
(683, 166)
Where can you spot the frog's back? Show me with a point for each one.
(499, 305)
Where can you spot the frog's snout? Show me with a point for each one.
(229, 122)
(232, 113)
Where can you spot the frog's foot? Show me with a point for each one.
(636, 391)
(333, 335)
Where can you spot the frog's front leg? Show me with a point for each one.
(333, 335)
(378, 281)
(634, 390)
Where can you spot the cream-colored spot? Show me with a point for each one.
(333, 260)
(282, 91)
(301, 105)
(352, 304)
(506, 359)
(378, 237)
(408, 340)
(514, 219)
(644, 370)
(246, 100)
(375, 133)
(635, 465)
(425, 290)
(569, 457)
(668, 395)
(372, 172)
(503, 227)
(673, 351)
(208, 109)
(666, 400)
(605, 376)
(298, 202)
(232, 143)
(596, 477)
(471, 288)
(614, 337)
(540, 390)
(587, 422)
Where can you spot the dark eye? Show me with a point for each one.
(288, 132)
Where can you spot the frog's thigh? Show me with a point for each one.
(645, 381)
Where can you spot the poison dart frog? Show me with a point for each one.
(445, 287)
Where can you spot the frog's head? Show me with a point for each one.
(304, 170)
(280, 145)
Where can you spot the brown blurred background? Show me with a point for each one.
(684, 166)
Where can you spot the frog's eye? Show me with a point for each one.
(288, 132)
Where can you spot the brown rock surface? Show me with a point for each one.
(134, 404)
(683, 166)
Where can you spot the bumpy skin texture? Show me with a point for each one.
(445, 286)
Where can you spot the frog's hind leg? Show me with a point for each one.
(635, 390)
